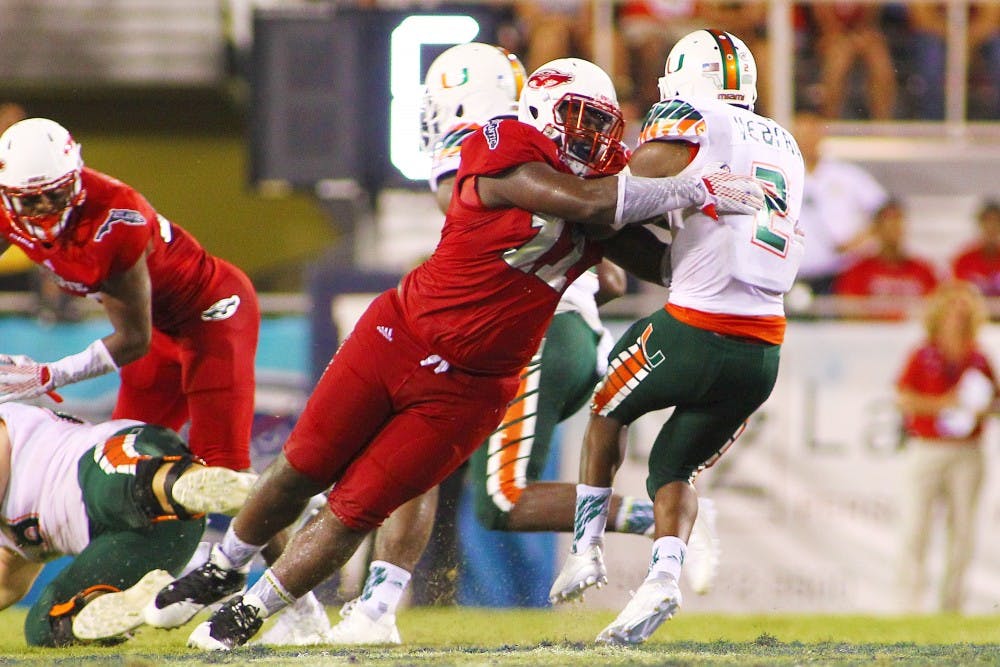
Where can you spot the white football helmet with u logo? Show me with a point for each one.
(573, 102)
(40, 185)
(468, 84)
(711, 64)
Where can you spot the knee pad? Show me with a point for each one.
(145, 495)
(61, 617)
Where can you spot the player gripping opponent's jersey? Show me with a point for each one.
(430, 366)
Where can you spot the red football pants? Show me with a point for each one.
(386, 422)
(204, 373)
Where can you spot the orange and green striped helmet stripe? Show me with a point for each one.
(730, 59)
(519, 74)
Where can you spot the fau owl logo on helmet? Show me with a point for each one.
(549, 78)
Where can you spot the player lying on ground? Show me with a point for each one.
(125, 498)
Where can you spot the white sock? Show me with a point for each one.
(384, 588)
(592, 503)
(268, 594)
(236, 550)
(668, 557)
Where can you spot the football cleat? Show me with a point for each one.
(357, 627)
(202, 489)
(233, 625)
(214, 581)
(579, 572)
(656, 600)
(701, 565)
(303, 623)
(114, 614)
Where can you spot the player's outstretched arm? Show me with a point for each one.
(614, 201)
(537, 187)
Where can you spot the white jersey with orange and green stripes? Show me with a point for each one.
(43, 513)
(739, 265)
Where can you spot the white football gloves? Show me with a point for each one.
(729, 193)
(23, 378)
(715, 191)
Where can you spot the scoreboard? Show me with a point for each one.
(335, 92)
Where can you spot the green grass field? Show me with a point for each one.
(462, 636)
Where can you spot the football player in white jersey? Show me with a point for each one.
(466, 86)
(712, 352)
(125, 498)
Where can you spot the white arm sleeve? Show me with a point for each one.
(641, 198)
(95, 360)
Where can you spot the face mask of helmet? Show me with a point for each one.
(592, 132)
(40, 183)
(44, 213)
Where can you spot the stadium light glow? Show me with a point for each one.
(406, 86)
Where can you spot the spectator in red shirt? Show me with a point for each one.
(891, 273)
(980, 262)
(944, 391)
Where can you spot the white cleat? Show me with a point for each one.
(304, 623)
(357, 627)
(114, 614)
(213, 489)
(656, 601)
(579, 572)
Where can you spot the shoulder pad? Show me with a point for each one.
(451, 143)
(672, 119)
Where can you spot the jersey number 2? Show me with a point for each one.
(775, 204)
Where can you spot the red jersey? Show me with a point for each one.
(981, 267)
(928, 372)
(876, 277)
(483, 300)
(108, 234)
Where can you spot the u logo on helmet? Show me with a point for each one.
(446, 84)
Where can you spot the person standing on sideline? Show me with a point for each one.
(428, 371)
(712, 352)
(944, 391)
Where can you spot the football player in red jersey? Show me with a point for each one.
(185, 322)
(466, 86)
(428, 370)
